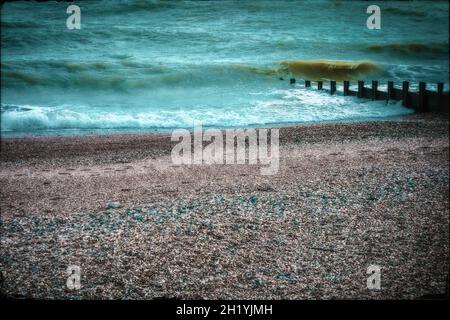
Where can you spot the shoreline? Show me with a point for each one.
(347, 195)
(167, 131)
(155, 138)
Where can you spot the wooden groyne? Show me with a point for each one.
(421, 101)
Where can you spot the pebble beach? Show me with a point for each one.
(346, 196)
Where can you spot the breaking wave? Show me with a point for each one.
(127, 74)
(330, 70)
(295, 106)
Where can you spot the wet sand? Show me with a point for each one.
(346, 195)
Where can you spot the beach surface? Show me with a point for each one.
(346, 196)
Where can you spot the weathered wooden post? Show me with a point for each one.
(346, 87)
(422, 97)
(292, 81)
(405, 88)
(307, 83)
(374, 89)
(390, 90)
(319, 85)
(332, 87)
(360, 89)
(440, 92)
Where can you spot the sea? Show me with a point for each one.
(142, 65)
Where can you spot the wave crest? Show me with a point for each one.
(329, 69)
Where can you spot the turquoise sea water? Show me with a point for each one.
(153, 65)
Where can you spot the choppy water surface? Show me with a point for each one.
(152, 65)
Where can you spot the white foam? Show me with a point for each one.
(285, 106)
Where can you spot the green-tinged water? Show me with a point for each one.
(152, 65)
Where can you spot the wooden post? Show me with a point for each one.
(440, 91)
(319, 85)
(346, 87)
(307, 83)
(422, 97)
(390, 90)
(332, 87)
(292, 81)
(360, 89)
(405, 88)
(374, 89)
